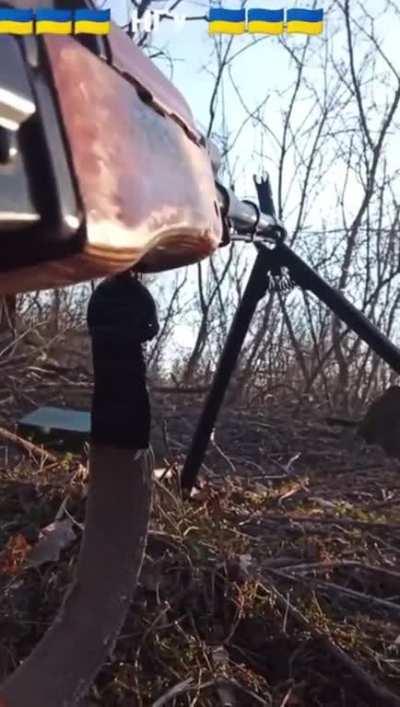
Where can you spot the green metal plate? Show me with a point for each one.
(57, 426)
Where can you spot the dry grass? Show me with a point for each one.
(276, 584)
(281, 591)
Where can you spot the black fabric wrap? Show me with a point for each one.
(121, 317)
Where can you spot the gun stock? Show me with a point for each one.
(114, 172)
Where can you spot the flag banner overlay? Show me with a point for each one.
(92, 21)
(304, 21)
(16, 21)
(51, 21)
(263, 21)
(223, 21)
(220, 21)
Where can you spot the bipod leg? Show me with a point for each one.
(61, 668)
(308, 279)
(255, 290)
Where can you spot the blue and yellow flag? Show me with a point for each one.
(222, 21)
(53, 21)
(16, 21)
(304, 21)
(92, 22)
(262, 21)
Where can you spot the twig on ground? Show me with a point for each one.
(314, 520)
(223, 455)
(330, 586)
(380, 695)
(174, 691)
(360, 596)
(29, 447)
(307, 567)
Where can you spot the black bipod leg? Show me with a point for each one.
(308, 279)
(255, 290)
(259, 281)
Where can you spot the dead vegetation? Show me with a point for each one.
(276, 584)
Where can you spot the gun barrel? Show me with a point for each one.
(247, 220)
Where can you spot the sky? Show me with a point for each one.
(261, 69)
(190, 46)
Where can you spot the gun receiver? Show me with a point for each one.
(101, 165)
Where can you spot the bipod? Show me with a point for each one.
(275, 268)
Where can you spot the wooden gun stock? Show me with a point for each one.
(135, 181)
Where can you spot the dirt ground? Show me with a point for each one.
(277, 583)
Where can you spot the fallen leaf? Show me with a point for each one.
(220, 655)
(52, 539)
(14, 555)
(292, 492)
(162, 472)
(245, 562)
(322, 502)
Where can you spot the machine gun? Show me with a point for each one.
(103, 172)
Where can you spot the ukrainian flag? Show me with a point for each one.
(262, 21)
(222, 21)
(53, 21)
(92, 21)
(300, 21)
(16, 21)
